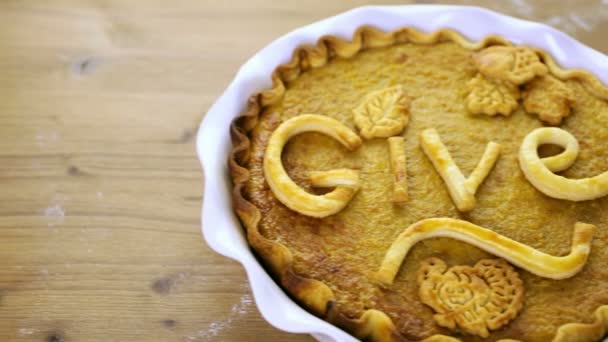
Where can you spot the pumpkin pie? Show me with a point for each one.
(411, 186)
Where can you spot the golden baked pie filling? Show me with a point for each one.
(411, 186)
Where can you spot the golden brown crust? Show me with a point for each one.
(591, 83)
(373, 325)
(315, 295)
(575, 332)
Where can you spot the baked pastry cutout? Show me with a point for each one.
(474, 299)
(287, 191)
(548, 97)
(514, 64)
(518, 254)
(540, 171)
(399, 168)
(491, 97)
(462, 190)
(382, 113)
(495, 89)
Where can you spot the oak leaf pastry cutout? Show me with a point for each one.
(382, 113)
(514, 64)
(475, 299)
(548, 97)
(346, 181)
(539, 171)
(491, 97)
(518, 254)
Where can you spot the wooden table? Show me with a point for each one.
(101, 188)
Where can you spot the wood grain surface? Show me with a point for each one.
(100, 102)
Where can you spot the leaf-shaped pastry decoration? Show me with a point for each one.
(382, 113)
(491, 97)
(475, 299)
(548, 97)
(514, 64)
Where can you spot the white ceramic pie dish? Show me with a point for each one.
(221, 227)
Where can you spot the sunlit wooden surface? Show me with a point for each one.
(100, 102)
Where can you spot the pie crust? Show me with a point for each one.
(313, 294)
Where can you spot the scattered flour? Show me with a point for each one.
(522, 7)
(54, 211)
(55, 214)
(580, 22)
(215, 328)
(27, 331)
(43, 138)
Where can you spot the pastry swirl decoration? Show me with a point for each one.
(541, 176)
(313, 294)
(518, 254)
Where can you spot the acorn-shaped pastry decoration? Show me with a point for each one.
(514, 64)
(474, 299)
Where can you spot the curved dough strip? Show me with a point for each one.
(337, 177)
(518, 254)
(594, 331)
(539, 172)
(287, 191)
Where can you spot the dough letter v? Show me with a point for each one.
(462, 190)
